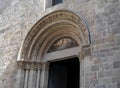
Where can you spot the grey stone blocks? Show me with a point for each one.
(102, 17)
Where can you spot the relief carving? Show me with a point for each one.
(62, 44)
(32, 65)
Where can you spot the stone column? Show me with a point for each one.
(38, 76)
(20, 75)
(26, 79)
(44, 75)
(32, 77)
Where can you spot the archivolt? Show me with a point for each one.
(50, 28)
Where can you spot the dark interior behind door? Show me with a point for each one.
(64, 74)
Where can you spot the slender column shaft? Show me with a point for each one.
(32, 79)
(26, 79)
(38, 79)
(44, 76)
(42, 79)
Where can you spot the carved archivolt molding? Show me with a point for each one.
(50, 28)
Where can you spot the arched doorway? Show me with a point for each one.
(55, 39)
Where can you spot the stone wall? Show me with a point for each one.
(102, 68)
(15, 21)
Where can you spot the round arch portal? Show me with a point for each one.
(58, 35)
(50, 28)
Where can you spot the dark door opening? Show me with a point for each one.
(64, 74)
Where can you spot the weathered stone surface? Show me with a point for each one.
(116, 64)
(97, 61)
(107, 66)
(4, 4)
(101, 74)
(101, 86)
(118, 85)
(112, 85)
(95, 68)
(116, 79)
(101, 69)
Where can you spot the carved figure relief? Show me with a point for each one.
(63, 43)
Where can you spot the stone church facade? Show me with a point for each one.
(60, 43)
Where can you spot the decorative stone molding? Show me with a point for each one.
(21, 65)
(35, 65)
(86, 50)
(45, 66)
(81, 55)
(28, 65)
(46, 30)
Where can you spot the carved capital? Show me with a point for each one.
(39, 66)
(20, 65)
(81, 56)
(45, 66)
(28, 65)
(34, 65)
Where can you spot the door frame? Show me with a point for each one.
(47, 59)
